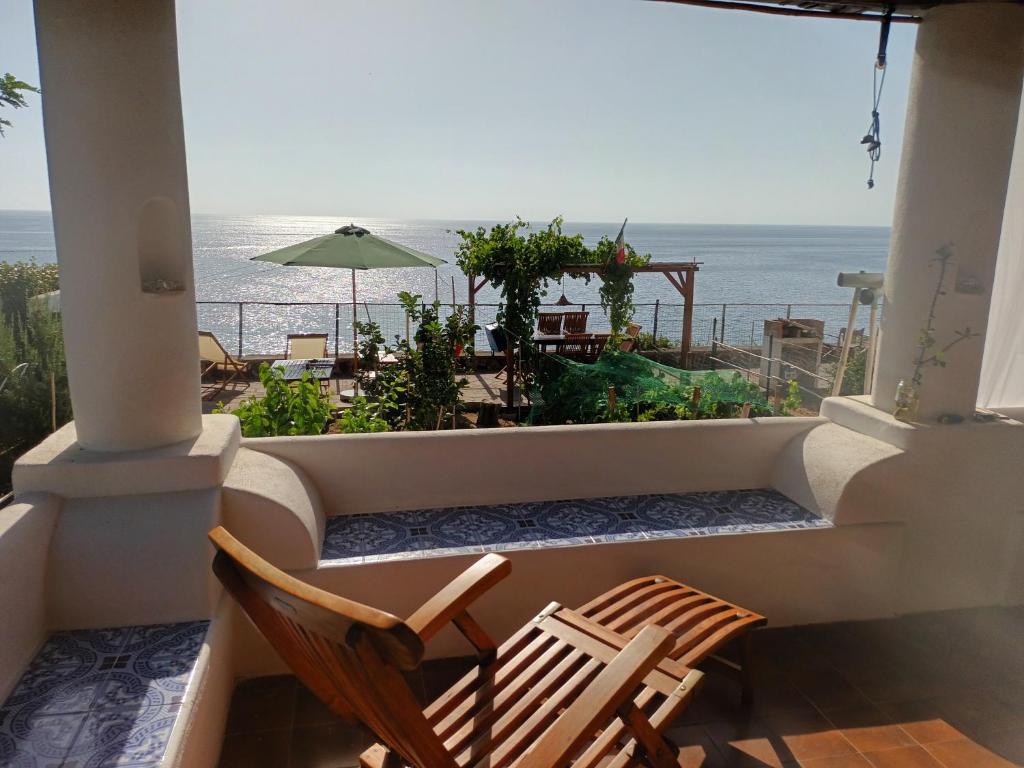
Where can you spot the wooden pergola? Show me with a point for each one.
(680, 273)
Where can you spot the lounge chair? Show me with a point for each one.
(306, 346)
(218, 360)
(563, 690)
(574, 322)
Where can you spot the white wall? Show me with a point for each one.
(25, 530)
(410, 470)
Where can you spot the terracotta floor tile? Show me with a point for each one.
(828, 689)
(261, 704)
(931, 731)
(842, 761)
(809, 736)
(750, 743)
(696, 747)
(328, 746)
(904, 757)
(966, 754)
(265, 749)
(869, 729)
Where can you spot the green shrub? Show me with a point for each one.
(646, 342)
(31, 352)
(362, 416)
(295, 408)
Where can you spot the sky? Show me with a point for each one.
(481, 109)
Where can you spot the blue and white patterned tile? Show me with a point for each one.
(100, 697)
(29, 741)
(544, 524)
(122, 737)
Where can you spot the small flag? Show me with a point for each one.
(620, 245)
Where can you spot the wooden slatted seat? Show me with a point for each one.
(564, 690)
(700, 623)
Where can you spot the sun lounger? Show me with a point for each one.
(563, 690)
(217, 360)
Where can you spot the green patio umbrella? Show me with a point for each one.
(350, 247)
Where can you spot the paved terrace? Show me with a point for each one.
(938, 690)
(483, 387)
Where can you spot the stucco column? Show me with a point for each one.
(958, 143)
(119, 195)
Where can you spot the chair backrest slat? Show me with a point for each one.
(350, 655)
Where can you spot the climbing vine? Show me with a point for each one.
(519, 267)
(617, 282)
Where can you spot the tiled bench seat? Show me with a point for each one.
(367, 538)
(100, 697)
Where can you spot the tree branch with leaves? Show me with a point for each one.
(11, 95)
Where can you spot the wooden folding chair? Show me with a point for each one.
(563, 690)
(630, 343)
(306, 346)
(702, 624)
(217, 360)
(574, 322)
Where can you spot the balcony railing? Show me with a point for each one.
(260, 327)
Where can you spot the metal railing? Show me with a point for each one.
(260, 327)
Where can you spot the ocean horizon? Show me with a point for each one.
(740, 264)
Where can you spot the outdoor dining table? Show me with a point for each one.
(319, 368)
(542, 340)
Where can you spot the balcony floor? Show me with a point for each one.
(926, 691)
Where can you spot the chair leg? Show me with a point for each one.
(746, 652)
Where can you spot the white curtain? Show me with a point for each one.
(1002, 369)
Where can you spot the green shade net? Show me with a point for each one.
(567, 392)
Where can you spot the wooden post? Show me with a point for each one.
(611, 399)
(53, 402)
(684, 347)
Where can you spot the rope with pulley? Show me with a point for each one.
(873, 138)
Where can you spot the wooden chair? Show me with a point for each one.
(549, 323)
(217, 360)
(597, 344)
(701, 623)
(305, 346)
(630, 343)
(563, 690)
(574, 345)
(574, 322)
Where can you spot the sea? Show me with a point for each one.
(758, 272)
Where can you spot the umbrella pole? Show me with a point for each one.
(355, 339)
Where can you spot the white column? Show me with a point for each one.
(119, 194)
(957, 147)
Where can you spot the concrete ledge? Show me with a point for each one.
(60, 465)
(25, 531)
(421, 470)
(858, 414)
(271, 506)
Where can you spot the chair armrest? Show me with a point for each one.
(608, 694)
(451, 602)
